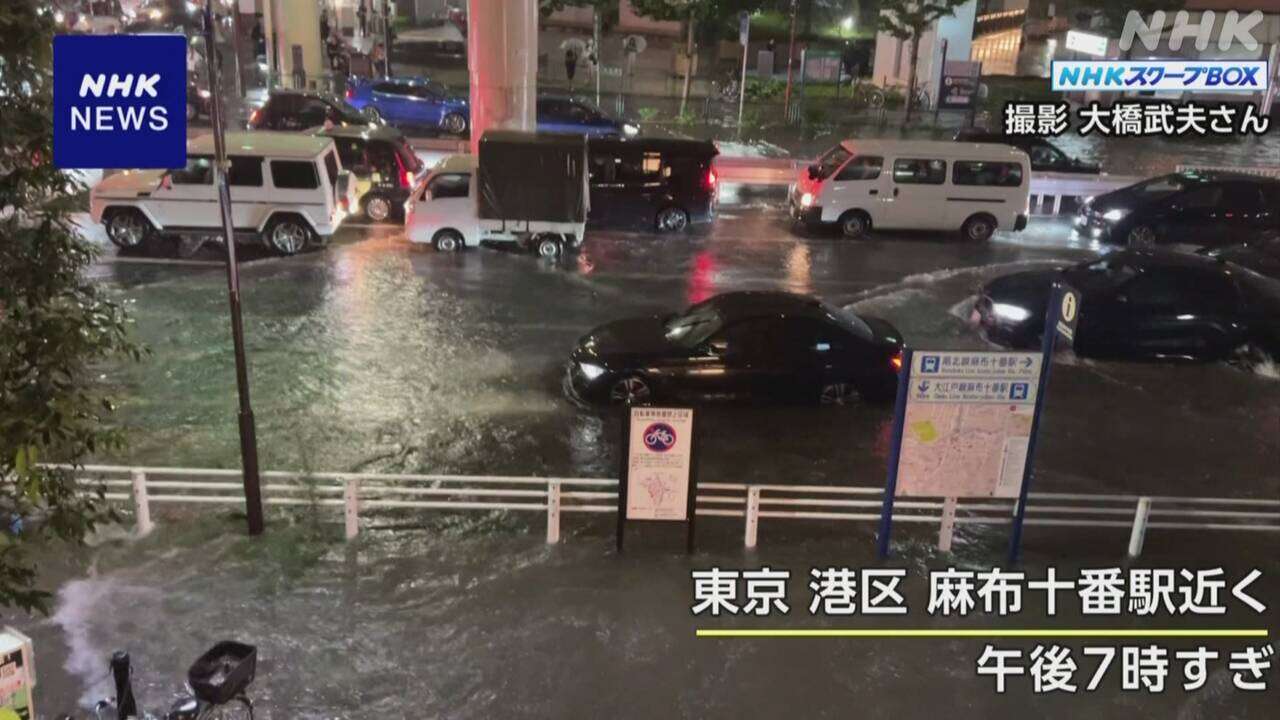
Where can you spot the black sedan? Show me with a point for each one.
(1142, 305)
(742, 345)
(1261, 256)
(1045, 157)
(301, 110)
(1202, 209)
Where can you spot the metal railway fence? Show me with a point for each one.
(354, 495)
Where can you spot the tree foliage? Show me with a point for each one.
(1110, 15)
(607, 9)
(909, 19)
(55, 326)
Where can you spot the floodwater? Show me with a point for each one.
(374, 355)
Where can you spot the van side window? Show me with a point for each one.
(294, 175)
(912, 171)
(603, 168)
(452, 185)
(199, 171)
(996, 174)
(245, 171)
(862, 167)
(636, 167)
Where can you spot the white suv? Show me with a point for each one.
(287, 191)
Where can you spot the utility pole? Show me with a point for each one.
(597, 65)
(791, 54)
(744, 35)
(248, 432)
(386, 39)
(235, 48)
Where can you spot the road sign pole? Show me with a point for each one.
(624, 470)
(1047, 346)
(895, 450)
(745, 38)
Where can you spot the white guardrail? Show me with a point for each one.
(358, 493)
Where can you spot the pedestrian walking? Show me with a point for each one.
(362, 17)
(570, 64)
(324, 27)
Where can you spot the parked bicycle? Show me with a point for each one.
(217, 682)
(867, 94)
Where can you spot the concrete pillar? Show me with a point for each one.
(502, 60)
(290, 24)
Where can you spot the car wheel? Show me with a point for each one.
(978, 228)
(377, 208)
(839, 393)
(454, 124)
(127, 228)
(374, 115)
(548, 247)
(1141, 237)
(630, 390)
(288, 235)
(855, 224)
(672, 220)
(449, 241)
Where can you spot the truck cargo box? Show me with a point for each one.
(530, 177)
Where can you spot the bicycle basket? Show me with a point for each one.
(223, 672)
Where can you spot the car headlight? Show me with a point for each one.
(58, 16)
(806, 200)
(1012, 313)
(1114, 215)
(630, 130)
(590, 371)
(205, 94)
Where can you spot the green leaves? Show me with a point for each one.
(55, 325)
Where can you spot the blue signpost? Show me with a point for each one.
(895, 451)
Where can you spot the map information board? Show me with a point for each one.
(967, 423)
(659, 456)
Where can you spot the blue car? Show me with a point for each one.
(567, 115)
(410, 101)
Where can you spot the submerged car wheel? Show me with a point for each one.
(448, 241)
(629, 390)
(672, 219)
(454, 124)
(839, 393)
(1141, 237)
(127, 228)
(377, 208)
(288, 235)
(978, 228)
(374, 115)
(855, 224)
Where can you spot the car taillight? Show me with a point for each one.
(253, 119)
(711, 179)
(895, 362)
(350, 93)
(406, 179)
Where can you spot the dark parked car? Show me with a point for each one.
(299, 110)
(1142, 304)
(1261, 256)
(652, 183)
(199, 101)
(1204, 209)
(428, 52)
(569, 115)
(1045, 156)
(385, 167)
(745, 345)
(410, 101)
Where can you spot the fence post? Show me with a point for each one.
(141, 506)
(1139, 532)
(947, 527)
(753, 516)
(553, 512)
(351, 506)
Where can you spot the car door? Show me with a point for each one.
(391, 100)
(1246, 213)
(605, 187)
(751, 351)
(1175, 312)
(245, 179)
(424, 105)
(642, 188)
(1195, 217)
(186, 196)
(916, 196)
(447, 203)
(857, 185)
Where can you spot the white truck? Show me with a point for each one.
(288, 192)
(524, 188)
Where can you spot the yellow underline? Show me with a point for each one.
(987, 633)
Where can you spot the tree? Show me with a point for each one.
(55, 326)
(694, 13)
(909, 19)
(1111, 15)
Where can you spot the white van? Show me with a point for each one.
(915, 185)
(288, 191)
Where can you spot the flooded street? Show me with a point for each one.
(377, 356)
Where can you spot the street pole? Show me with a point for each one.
(742, 85)
(596, 66)
(235, 47)
(248, 433)
(791, 54)
(386, 39)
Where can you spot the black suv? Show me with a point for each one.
(302, 110)
(1045, 157)
(384, 165)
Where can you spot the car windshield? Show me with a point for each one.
(831, 161)
(692, 327)
(1101, 273)
(850, 321)
(1166, 185)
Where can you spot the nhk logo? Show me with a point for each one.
(119, 101)
(1232, 30)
